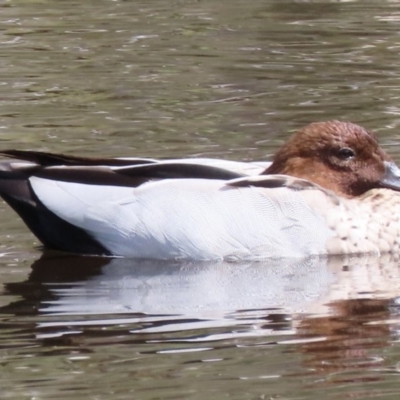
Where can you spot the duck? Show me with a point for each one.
(329, 190)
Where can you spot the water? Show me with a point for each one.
(194, 78)
(297, 329)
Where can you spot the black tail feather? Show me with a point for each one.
(50, 159)
(52, 231)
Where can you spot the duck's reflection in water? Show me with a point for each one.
(335, 309)
(99, 286)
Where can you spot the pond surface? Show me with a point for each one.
(194, 78)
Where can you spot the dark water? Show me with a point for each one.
(188, 78)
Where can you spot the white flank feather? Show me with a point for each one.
(189, 219)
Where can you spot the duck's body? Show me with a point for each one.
(197, 219)
(203, 209)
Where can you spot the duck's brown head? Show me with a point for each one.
(339, 156)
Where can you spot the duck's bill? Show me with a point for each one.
(391, 178)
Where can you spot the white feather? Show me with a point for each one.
(189, 219)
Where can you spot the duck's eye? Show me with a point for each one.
(345, 153)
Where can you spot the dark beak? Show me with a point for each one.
(391, 177)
